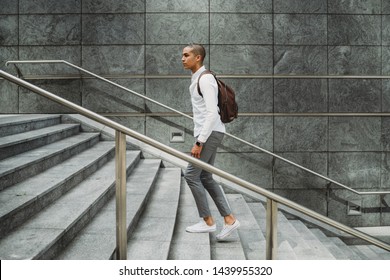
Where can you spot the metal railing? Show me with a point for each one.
(120, 146)
(227, 134)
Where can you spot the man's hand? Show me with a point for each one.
(196, 150)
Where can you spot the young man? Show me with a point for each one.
(208, 131)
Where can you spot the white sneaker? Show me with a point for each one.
(201, 227)
(227, 230)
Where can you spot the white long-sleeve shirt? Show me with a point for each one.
(205, 109)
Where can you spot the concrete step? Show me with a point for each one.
(319, 250)
(44, 235)
(251, 236)
(363, 252)
(285, 250)
(350, 254)
(382, 254)
(231, 248)
(306, 246)
(287, 232)
(14, 124)
(341, 251)
(334, 249)
(97, 240)
(20, 167)
(294, 238)
(184, 245)
(18, 143)
(23, 200)
(370, 252)
(152, 238)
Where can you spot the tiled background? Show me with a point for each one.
(138, 44)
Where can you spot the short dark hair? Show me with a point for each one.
(198, 49)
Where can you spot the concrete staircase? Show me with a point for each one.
(57, 201)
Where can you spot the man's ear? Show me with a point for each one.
(198, 57)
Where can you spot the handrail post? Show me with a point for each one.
(271, 230)
(120, 193)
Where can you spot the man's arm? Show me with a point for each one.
(209, 88)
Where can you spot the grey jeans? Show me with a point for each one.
(199, 180)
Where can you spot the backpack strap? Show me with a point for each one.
(204, 72)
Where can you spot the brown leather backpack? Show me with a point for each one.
(228, 108)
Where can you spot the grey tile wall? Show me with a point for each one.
(311, 198)
(173, 92)
(49, 6)
(113, 29)
(104, 98)
(300, 60)
(385, 7)
(135, 123)
(360, 170)
(8, 29)
(9, 98)
(227, 28)
(300, 6)
(386, 30)
(352, 95)
(49, 30)
(300, 29)
(290, 177)
(385, 137)
(241, 59)
(9, 7)
(355, 6)
(385, 170)
(355, 60)
(386, 96)
(255, 166)
(165, 60)
(114, 59)
(168, 6)
(241, 6)
(255, 95)
(30, 102)
(300, 134)
(300, 95)
(385, 59)
(355, 134)
(176, 28)
(256, 130)
(113, 6)
(71, 54)
(138, 44)
(354, 29)
(7, 53)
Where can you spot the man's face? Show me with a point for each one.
(189, 59)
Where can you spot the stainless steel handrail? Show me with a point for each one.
(272, 198)
(227, 134)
